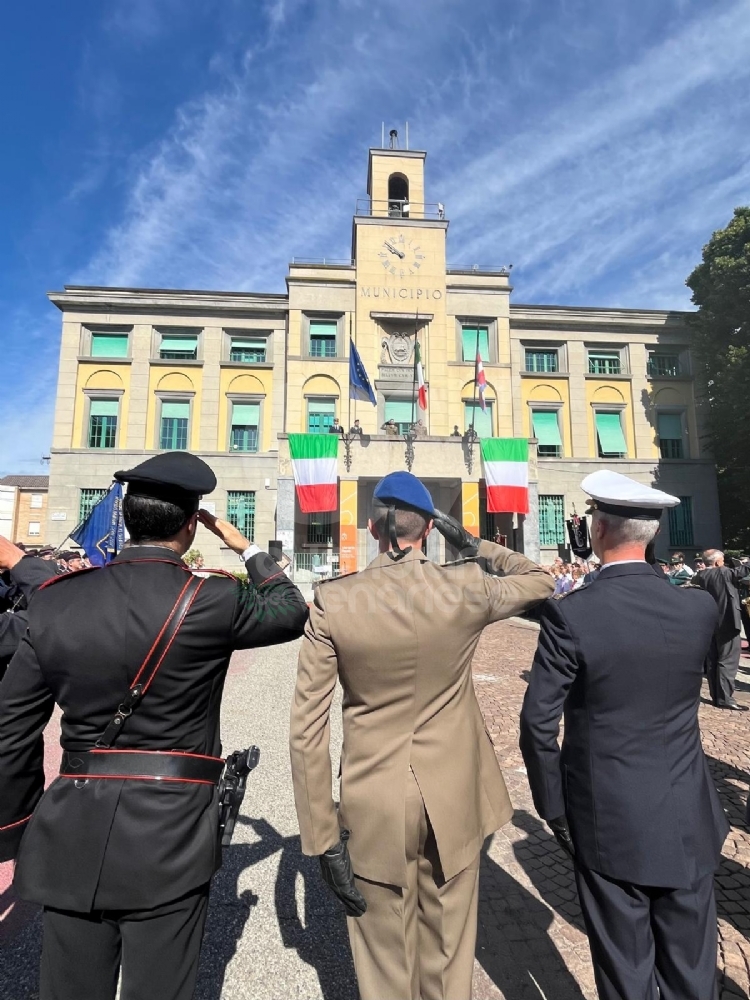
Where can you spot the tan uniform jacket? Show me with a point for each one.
(401, 636)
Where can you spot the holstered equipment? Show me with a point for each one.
(232, 787)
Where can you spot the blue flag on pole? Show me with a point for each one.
(102, 534)
(359, 383)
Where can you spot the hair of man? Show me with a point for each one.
(150, 520)
(410, 524)
(712, 556)
(624, 531)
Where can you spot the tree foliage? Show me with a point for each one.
(721, 290)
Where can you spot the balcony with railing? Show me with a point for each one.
(399, 208)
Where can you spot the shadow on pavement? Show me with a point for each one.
(318, 935)
(513, 944)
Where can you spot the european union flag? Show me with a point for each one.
(102, 534)
(359, 383)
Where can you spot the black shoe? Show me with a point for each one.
(732, 705)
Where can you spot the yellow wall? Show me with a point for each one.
(547, 389)
(382, 167)
(95, 375)
(237, 382)
(600, 392)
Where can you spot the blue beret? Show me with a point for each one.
(404, 490)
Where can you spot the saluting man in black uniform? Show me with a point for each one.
(120, 849)
(630, 796)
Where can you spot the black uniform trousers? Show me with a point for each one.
(722, 665)
(158, 951)
(643, 937)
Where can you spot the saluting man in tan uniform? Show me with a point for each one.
(420, 784)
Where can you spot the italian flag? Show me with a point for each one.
(419, 378)
(314, 464)
(506, 472)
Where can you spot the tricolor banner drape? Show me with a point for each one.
(506, 472)
(314, 464)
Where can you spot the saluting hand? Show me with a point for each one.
(231, 536)
(10, 554)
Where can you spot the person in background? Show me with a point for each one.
(680, 573)
(355, 429)
(335, 427)
(455, 433)
(630, 796)
(722, 583)
(21, 575)
(699, 563)
(391, 428)
(577, 572)
(419, 430)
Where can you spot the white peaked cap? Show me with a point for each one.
(613, 493)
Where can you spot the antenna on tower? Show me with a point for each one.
(382, 136)
(407, 135)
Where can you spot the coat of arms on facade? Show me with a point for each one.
(397, 349)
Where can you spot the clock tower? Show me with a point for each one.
(398, 247)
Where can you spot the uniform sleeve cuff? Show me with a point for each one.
(250, 551)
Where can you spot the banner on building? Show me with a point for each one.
(506, 473)
(102, 534)
(315, 468)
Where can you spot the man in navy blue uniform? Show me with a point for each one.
(630, 795)
(121, 847)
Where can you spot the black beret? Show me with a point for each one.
(173, 475)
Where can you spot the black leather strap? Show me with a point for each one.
(151, 664)
(141, 764)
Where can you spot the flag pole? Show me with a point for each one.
(351, 341)
(476, 377)
(414, 394)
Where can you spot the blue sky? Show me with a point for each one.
(204, 143)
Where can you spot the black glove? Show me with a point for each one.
(336, 868)
(561, 831)
(455, 533)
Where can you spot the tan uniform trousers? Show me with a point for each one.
(417, 943)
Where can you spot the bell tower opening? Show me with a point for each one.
(398, 196)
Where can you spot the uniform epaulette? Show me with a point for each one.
(460, 562)
(68, 576)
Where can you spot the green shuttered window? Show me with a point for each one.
(175, 417)
(482, 421)
(245, 423)
(247, 350)
(320, 414)
(469, 341)
(103, 423)
(605, 363)
(669, 426)
(88, 500)
(179, 348)
(547, 433)
(323, 339)
(241, 511)
(663, 365)
(109, 345)
(551, 520)
(541, 360)
(681, 524)
(609, 434)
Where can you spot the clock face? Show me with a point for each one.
(401, 255)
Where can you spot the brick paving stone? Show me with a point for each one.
(533, 944)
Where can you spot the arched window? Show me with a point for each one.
(398, 196)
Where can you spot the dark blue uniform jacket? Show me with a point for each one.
(624, 658)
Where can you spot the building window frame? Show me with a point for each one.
(320, 398)
(539, 349)
(607, 351)
(93, 494)
(620, 410)
(473, 322)
(33, 504)
(173, 397)
(546, 531)
(681, 524)
(160, 332)
(652, 371)
(88, 333)
(237, 399)
(468, 401)
(309, 318)
(681, 413)
(90, 395)
(32, 524)
(399, 397)
(246, 523)
(320, 529)
(247, 335)
(557, 409)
